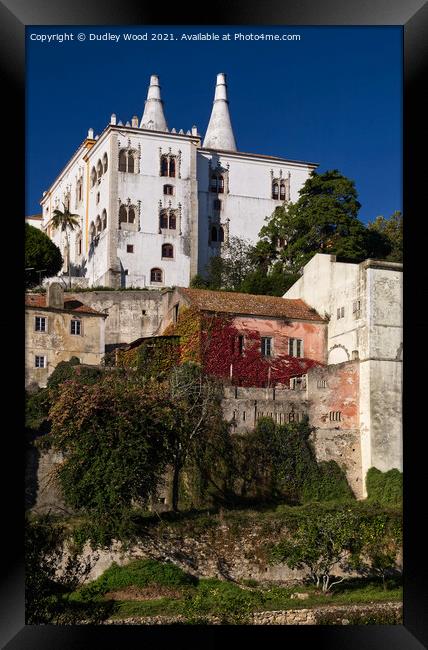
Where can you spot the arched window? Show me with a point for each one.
(98, 224)
(221, 234)
(172, 221)
(104, 219)
(92, 230)
(168, 166)
(167, 250)
(93, 177)
(131, 162)
(156, 275)
(164, 166)
(214, 233)
(105, 163)
(97, 198)
(172, 167)
(99, 169)
(122, 160)
(123, 214)
(127, 214)
(282, 192)
(275, 190)
(168, 189)
(163, 220)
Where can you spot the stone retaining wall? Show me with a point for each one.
(338, 615)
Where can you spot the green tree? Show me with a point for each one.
(381, 540)
(66, 221)
(324, 219)
(113, 436)
(196, 401)
(392, 230)
(319, 541)
(229, 269)
(40, 254)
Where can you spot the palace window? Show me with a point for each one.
(275, 190)
(129, 248)
(356, 308)
(214, 233)
(167, 251)
(282, 192)
(99, 170)
(104, 219)
(40, 324)
(168, 220)
(340, 312)
(75, 327)
(217, 183)
(168, 189)
(266, 346)
(295, 347)
(127, 161)
(127, 214)
(168, 166)
(98, 225)
(93, 176)
(217, 205)
(97, 198)
(92, 230)
(156, 275)
(39, 361)
(105, 163)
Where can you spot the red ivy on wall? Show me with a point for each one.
(221, 356)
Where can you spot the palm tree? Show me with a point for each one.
(66, 221)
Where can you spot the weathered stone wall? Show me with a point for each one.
(131, 314)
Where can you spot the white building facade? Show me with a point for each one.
(154, 204)
(364, 305)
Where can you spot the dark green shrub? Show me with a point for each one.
(326, 482)
(139, 573)
(385, 487)
(64, 370)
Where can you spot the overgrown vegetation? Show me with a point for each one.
(385, 487)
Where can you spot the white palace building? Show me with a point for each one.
(155, 204)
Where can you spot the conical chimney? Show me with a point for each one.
(219, 133)
(153, 117)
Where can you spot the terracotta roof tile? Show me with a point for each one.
(245, 303)
(70, 303)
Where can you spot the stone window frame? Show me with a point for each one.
(167, 188)
(104, 219)
(167, 257)
(130, 154)
(167, 161)
(76, 321)
(335, 416)
(280, 186)
(295, 345)
(340, 313)
(153, 271)
(130, 248)
(98, 225)
(128, 208)
(105, 162)
(93, 177)
(37, 363)
(169, 216)
(45, 324)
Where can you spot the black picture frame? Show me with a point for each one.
(413, 16)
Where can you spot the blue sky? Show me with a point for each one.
(334, 97)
